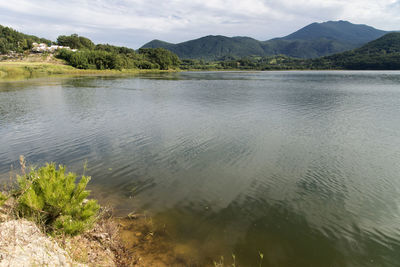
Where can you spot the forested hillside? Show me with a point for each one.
(381, 54)
(90, 55)
(312, 41)
(12, 40)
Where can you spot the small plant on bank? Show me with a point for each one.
(3, 198)
(51, 197)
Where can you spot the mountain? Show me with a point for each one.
(212, 47)
(321, 39)
(380, 54)
(342, 31)
(314, 40)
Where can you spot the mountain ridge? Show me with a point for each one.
(312, 41)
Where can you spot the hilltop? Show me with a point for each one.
(342, 31)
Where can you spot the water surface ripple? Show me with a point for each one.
(301, 166)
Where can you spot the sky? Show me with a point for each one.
(133, 23)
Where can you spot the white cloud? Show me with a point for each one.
(134, 22)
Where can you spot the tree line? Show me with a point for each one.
(100, 58)
(106, 56)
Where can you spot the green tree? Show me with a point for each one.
(163, 57)
(12, 40)
(79, 60)
(52, 197)
(75, 42)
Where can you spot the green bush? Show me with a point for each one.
(79, 60)
(52, 197)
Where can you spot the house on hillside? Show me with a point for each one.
(41, 48)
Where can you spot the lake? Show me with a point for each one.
(303, 167)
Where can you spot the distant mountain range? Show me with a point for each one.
(328, 45)
(312, 41)
(380, 54)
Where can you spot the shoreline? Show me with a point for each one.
(24, 70)
(132, 240)
(23, 240)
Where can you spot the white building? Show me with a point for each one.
(41, 48)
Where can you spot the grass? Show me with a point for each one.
(3, 198)
(101, 246)
(20, 70)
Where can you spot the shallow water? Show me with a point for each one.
(303, 167)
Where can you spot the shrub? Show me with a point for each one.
(52, 197)
(79, 60)
(146, 65)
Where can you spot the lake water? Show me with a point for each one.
(303, 167)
